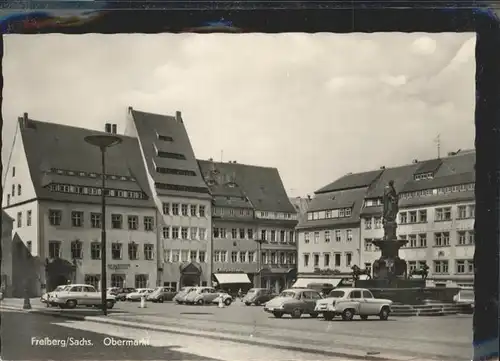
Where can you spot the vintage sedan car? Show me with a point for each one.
(180, 297)
(258, 296)
(225, 297)
(201, 296)
(138, 294)
(294, 302)
(80, 295)
(161, 294)
(46, 296)
(122, 293)
(348, 302)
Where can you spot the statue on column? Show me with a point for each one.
(390, 201)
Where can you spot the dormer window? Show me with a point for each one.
(71, 173)
(165, 138)
(82, 174)
(421, 176)
(60, 171)
(93, 175)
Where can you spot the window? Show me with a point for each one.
(472, 211)
(368, 245)
(291, 238)
(175, 209)
(348, 212)
(95, 250)
(460, 266)
(412, 265)
(192, 256)
(54, 249)
(355, 294)
(316, 260)
(192, 207)
(77, 219)
(378, 222)
(413, 216)
(116, 221)
(471, 237)
(306, 237)
(462, 213)
(442, 239)
(93, 280)
(306, 260)
(349, 235)
(403, 218)
(368, 223)
(148, 223)
(338, 235)
(29, 246)
(412, 238)
(367, 294)
(8, 199)
(282, 236)
(462, 237)
(201, 256)
(162, 154)
(76, 250)
(234, 233)
(133, 251)
(95, 220)
(341, 213)
(117, 280)
(348, 259)
(316, 237)
(202, 211)
(422, 240)
(327, 259)
(133, 222)
(234, 257)
(176, 256)
(141, 281)
(217, 256)
(250, 233)
(273, 235)
(443, 214)
(327, 236)
(242, 233)
(19, 219)
(175, 232)
(337, 257)
(148, 252)
(184, 209)
(470, 266)
(13, 172)
(440, 266)
(201, 234)
(184, 255)
(184, 233)
(422, 214)
(13, 190)
(251, 257)
(165, 208)
(193, 232)
(166, 232)
(116, 250)
(18, 189)
(55, 217)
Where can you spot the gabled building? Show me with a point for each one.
(251, 214)
(179, 193)
(329, 238)
(53, 191)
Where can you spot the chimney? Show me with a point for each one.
(130, 109)
(107, 128)
(24, 120)
(308, 197)
(415, 161)
(383, 167)
(113, 128)
(210, 159)
(178, 116)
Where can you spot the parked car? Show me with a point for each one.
(180, 297)
(45, 297)
(123, 292)
(294, 302)
(258, 296)
(79, 295)
(225, 297)
(138, 294)
(113, 290)
(348, 302)
(201, 296)
(161, 294)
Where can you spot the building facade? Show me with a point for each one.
(6, 255)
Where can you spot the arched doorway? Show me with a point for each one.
(190, 274)
(58, 272)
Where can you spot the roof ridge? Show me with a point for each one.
(244, 164)
(150, 113)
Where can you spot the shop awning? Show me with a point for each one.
(303, 282)
(227, 278)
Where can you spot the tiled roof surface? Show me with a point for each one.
(6, 217)
(334, 200)
(51, 145)
(262, 185)
(350, 181)
(457, 164)
(400, 175)
(427, 166)
(149, 126)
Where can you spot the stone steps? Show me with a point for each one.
(441, 309)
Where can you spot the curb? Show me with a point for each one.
(218, 336)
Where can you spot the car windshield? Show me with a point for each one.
(60, 288)
(287, 294)
(336, 294)
(253, 290)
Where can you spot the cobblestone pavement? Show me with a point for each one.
(445, 338)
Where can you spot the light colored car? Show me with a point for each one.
(201, 296)
(225, 297)
(180, 297)
(294, 302)
(138, 294)
(46, 296)
(161, 294)
(348, 302)
(79, 295)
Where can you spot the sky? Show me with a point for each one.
(315, 106)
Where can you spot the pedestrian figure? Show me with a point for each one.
(240, 294)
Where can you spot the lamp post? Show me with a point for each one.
(259, 261)
(103, 142)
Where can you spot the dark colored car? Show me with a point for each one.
(123, 292)
(294, 302)
(161, 294)
(258, 296)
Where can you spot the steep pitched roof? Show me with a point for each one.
(427, 166)
(400, 175)
(301, 205)
(350, 181)
(334, 200)
(262, 185)
(173, 153)
(50, 147)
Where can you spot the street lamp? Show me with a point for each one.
(259, 261)
(103, 142)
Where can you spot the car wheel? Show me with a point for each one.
(200, 302)
(277, 314)
(384, 313)
(257, 303)
(296, 313)
(247, 303)
(160, 299)
(109, 304)
(228, 302)
(328, 316)
(313, 315)
(348, 314)
(364, 317)
(70, 304)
